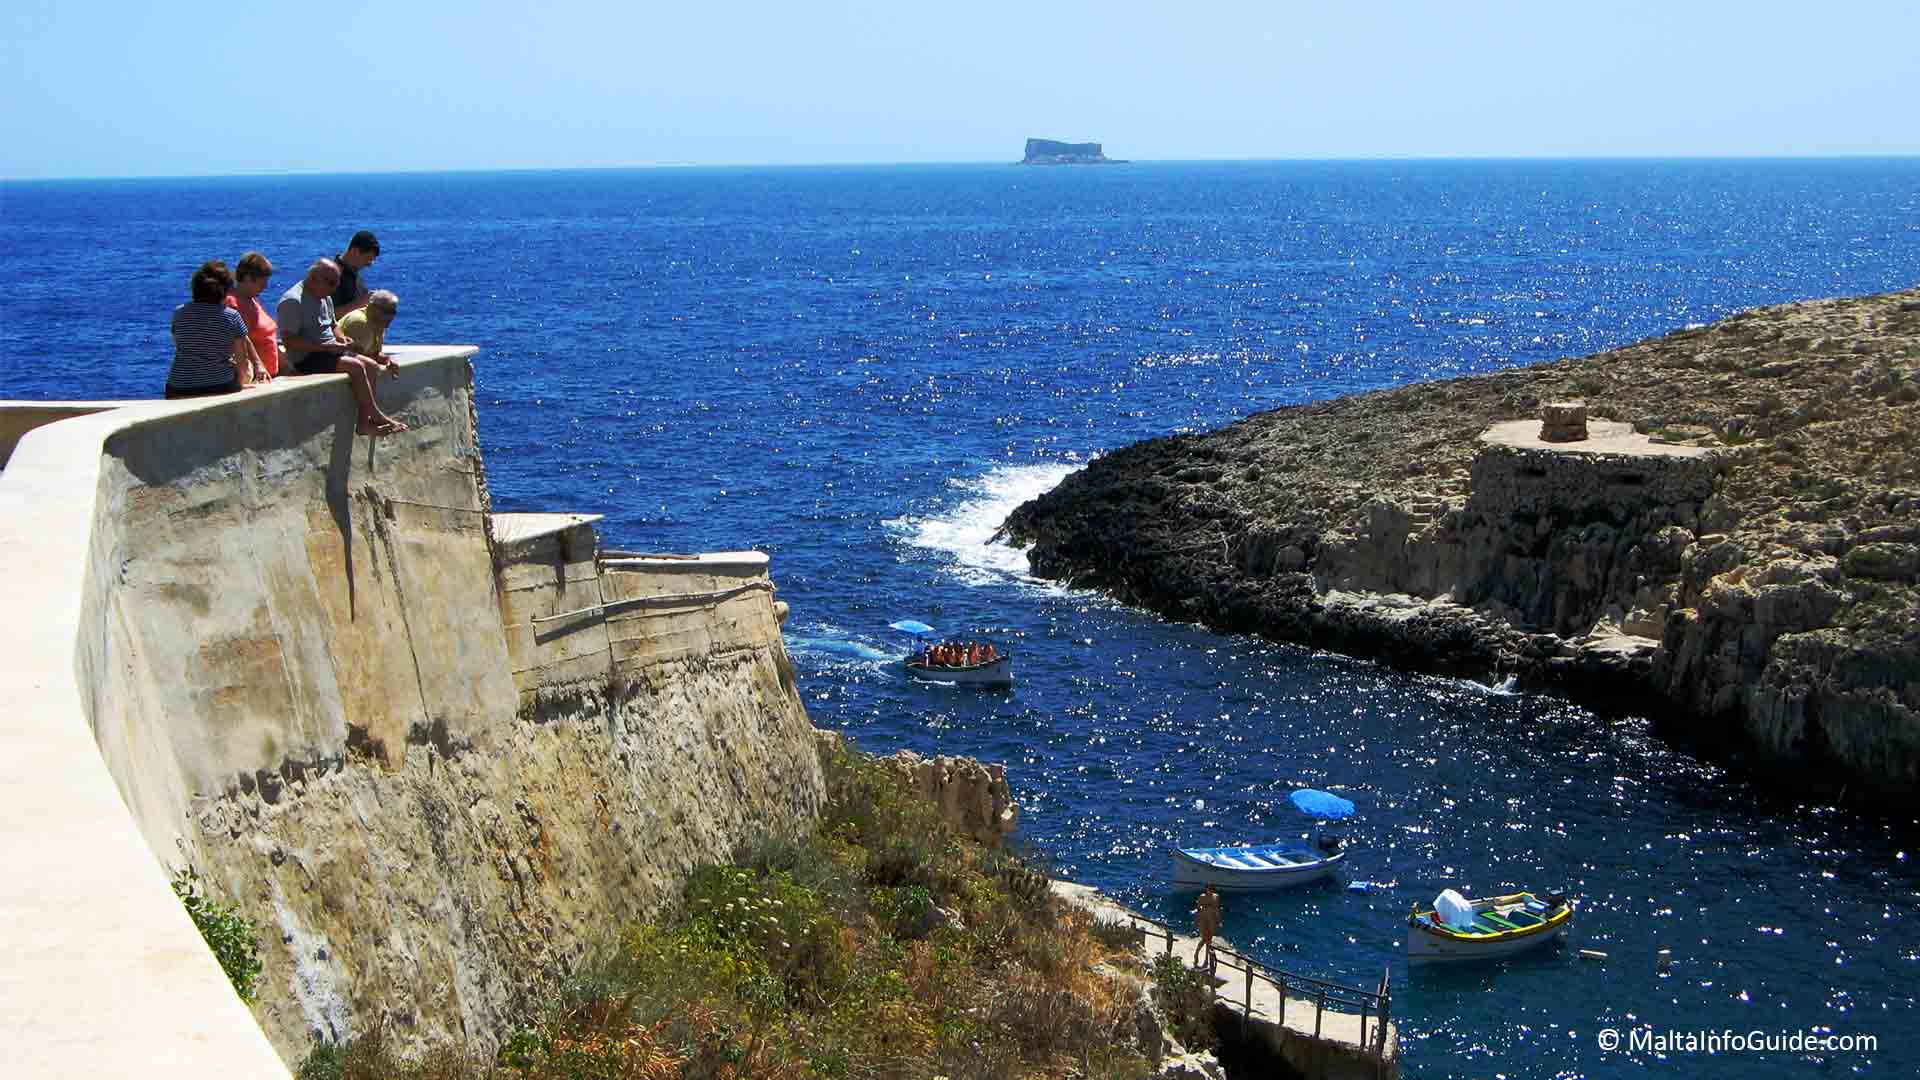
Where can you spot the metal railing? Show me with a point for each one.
(1374, 1006)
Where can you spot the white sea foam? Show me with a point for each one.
(857, 649)
(826, 638)
(1443, 688)
(964, 529)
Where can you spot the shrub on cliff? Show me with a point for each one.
(232, 936)
(1187, 998)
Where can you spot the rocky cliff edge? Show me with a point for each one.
(1763, 582)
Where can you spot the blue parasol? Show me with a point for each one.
(1321, 804)
(910, 626)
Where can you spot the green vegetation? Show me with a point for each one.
(880, 945)
(1187, 996)
(232, 936)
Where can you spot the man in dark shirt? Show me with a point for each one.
(360, 253)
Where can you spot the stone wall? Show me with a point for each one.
(314, 677)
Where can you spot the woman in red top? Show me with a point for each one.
(249, 281)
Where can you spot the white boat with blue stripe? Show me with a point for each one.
(1246, 869)
(1280, 865)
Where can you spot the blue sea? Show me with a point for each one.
(861, 370)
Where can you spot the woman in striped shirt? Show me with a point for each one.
(211, 354)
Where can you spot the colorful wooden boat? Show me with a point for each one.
(1246, 869)
(1500, 926)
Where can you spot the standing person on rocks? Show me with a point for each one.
(351, 293)
(1206, 919)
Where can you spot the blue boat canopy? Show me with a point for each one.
(1321, 804)
(910, 626)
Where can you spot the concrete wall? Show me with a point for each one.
(313, 676)
(19, 417)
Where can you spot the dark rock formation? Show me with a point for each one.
(1764, 584)
(1049, 152)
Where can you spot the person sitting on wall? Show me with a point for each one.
(250, 276)
(351, 293)
(211, 353)
(367, 328)
(314, 346)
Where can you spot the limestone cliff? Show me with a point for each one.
(972, 796)
(1763, 583)
(435, 751)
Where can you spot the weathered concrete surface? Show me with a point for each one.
(101, 973)
(1746, 562)
(313, 676)
(19, 417)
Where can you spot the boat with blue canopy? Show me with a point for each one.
(1279, 865)
(961, 663)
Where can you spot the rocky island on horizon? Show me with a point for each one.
(1740, 551)
(1050, 152)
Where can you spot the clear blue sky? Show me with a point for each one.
(119, 88)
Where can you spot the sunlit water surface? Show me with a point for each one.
(861, 370)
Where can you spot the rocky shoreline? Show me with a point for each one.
(1738, 554)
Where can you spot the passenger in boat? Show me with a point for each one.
(1206, 919)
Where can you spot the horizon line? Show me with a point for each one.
(667, 166)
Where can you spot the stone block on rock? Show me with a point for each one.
(1563, 421)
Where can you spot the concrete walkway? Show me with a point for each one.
(1296, 1020)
